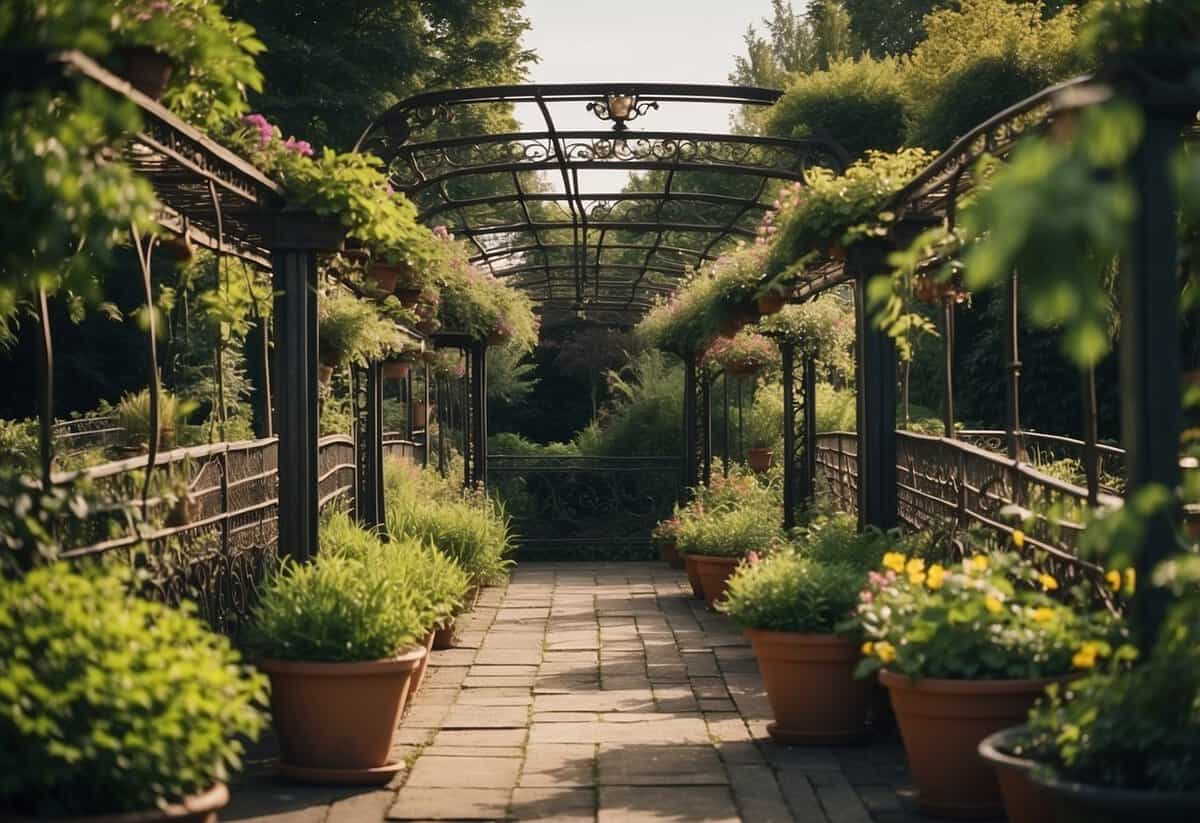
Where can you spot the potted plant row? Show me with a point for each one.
(114, 708)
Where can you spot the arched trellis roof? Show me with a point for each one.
(541, 206)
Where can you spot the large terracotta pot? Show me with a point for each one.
(423, 666)
(199, 808)
(693, 576)
(396, 370)
(772, 303)
(713, 574)
(385, 276)
(335, 720)
(811, 686)
(759, 459)
(146, 69)
(670, 554)
(1024, 800)
(942, 723)
(1080, 803)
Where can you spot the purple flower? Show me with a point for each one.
(266, 131)
(301, 147)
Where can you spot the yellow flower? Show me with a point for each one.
(916, 578)
(868, 648)
(1043, 614)
(935, 578)
(1048, 582)
(1085, 658)
(978, 563)
(885, 651)
(915, 566)
(1130, 580)
(1114, 580)
(1018, 538)
(994, 604)
(894, 561)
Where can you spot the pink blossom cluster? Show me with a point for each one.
(266, 132)
(156, 7)
(789, 198)
(876, 582)
(300, 147)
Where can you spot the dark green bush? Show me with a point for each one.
(111, 703)
(790, 593)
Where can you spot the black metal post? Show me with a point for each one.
(1016, 446)
(294, 275)
(1091, 462)
(257, 351)
(45, 396)
(809, 491)
(1149, 349)
(876, 378)
(788, 351)
(948, 367)
(368, 445)
(427, 373)
(725, 424)
(479, 429)
(691, 435)
(741, 423)
(466, 414)
(706, 423)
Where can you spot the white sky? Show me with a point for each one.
(685, 41)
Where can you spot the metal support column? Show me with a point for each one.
(368, 445)
(691, 434)
(479, 427)
(788, 351)
(427, 377)
(809, 487)
(948, 367)
(294, 276)
(1149, 349)
(706, 424)
(876, 379)
(1012, 354)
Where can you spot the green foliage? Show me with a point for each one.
(889, 26)
(35, 523)
(787, 592)
(133, 415)
(646, 415)
(475, 303)
(338, 609)
(837, 409)
(835, 538)
(857, 102)
(980, 57)
(990, 617)
(823, 328)
(1112, 27)
(729, 532)
(470, 528)
(745, 353)
(354, 330)
(511, 443)
(19, 441)
(111, 703)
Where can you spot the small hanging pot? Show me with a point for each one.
(324, 373)
(384, 275)
(395, 370)
(147, 69)
(771, 303)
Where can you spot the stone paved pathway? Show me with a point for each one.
(588, 693)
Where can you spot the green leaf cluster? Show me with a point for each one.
(788, 592)
(353, 330)
(111, 703)
(732, 518)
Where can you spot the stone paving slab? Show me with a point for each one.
(596, 693)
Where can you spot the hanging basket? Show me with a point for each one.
(384, 276)
(147, 70)
(396, 369)
(772, 303)
(409, 298)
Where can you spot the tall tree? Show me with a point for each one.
(331, 68)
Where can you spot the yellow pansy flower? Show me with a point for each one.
(1130, 580)
(894, 561)
(978, 563)
(915, 565)
(916, 578)
(994, 604)
(868, 648)
(1048, 582)
(1114, 580)
(936, 576)
(1018, 538)
(1085, 658)
(1043, 614)
(885, 651)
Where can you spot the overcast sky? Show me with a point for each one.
(687, 41)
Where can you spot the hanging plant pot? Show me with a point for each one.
(731, 325)
(1024, 799)
(147, 69)
(713, 573)
(197, 808)
(324, 373)
(1081, 803)
(499, 336)
(418, 411)
(349, 740)
(811, 687)
(772, 303)
(177, 247)
(396, 369)
(384, 275)
(670, 555)
(409, 298)
(836, 251)
(759, 459)
(942, 723)
(429, 356)
(429, 325)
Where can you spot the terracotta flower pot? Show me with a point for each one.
(408, 298)
(713, 574)
(772, 303)
(324, 374)
(199, 808)
(811, 686)
(670, 554)
(385, 275)
(423, 666)
(335, 720)
(146, 69)
(394, 370)
(759, 459)
(1081, 803)
(1024, 800)
(693, 576)
(942, 723)
(446, 637)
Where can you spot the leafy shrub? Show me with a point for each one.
(858, 102)
(133, 415)
(354, 330)
(646, 416)
(823, 328)
(835, 538)
(336, 609)
(729, 532)
(110, 703)
(988, 617)
(790, 593)
(19, 442)
(513, 443)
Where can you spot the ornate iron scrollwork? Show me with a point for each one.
(620, 108)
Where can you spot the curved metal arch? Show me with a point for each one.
(516, 194)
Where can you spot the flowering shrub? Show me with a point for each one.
(822, 328)
(729, 532)
(747, 353)
(990, 616)
(666, 531)
(787, 592)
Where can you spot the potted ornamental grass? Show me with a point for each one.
(714, 542)
(665, 535)
(793, 606)
(114, 708)
(965, 650)
(343, 634)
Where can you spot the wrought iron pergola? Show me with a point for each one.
(592, 222)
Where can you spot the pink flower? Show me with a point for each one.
(441, 233)
(752, 557)
(866, 596)
(266, 132)
(388, 188)
(300, 147)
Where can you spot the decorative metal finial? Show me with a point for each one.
(620, 108)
